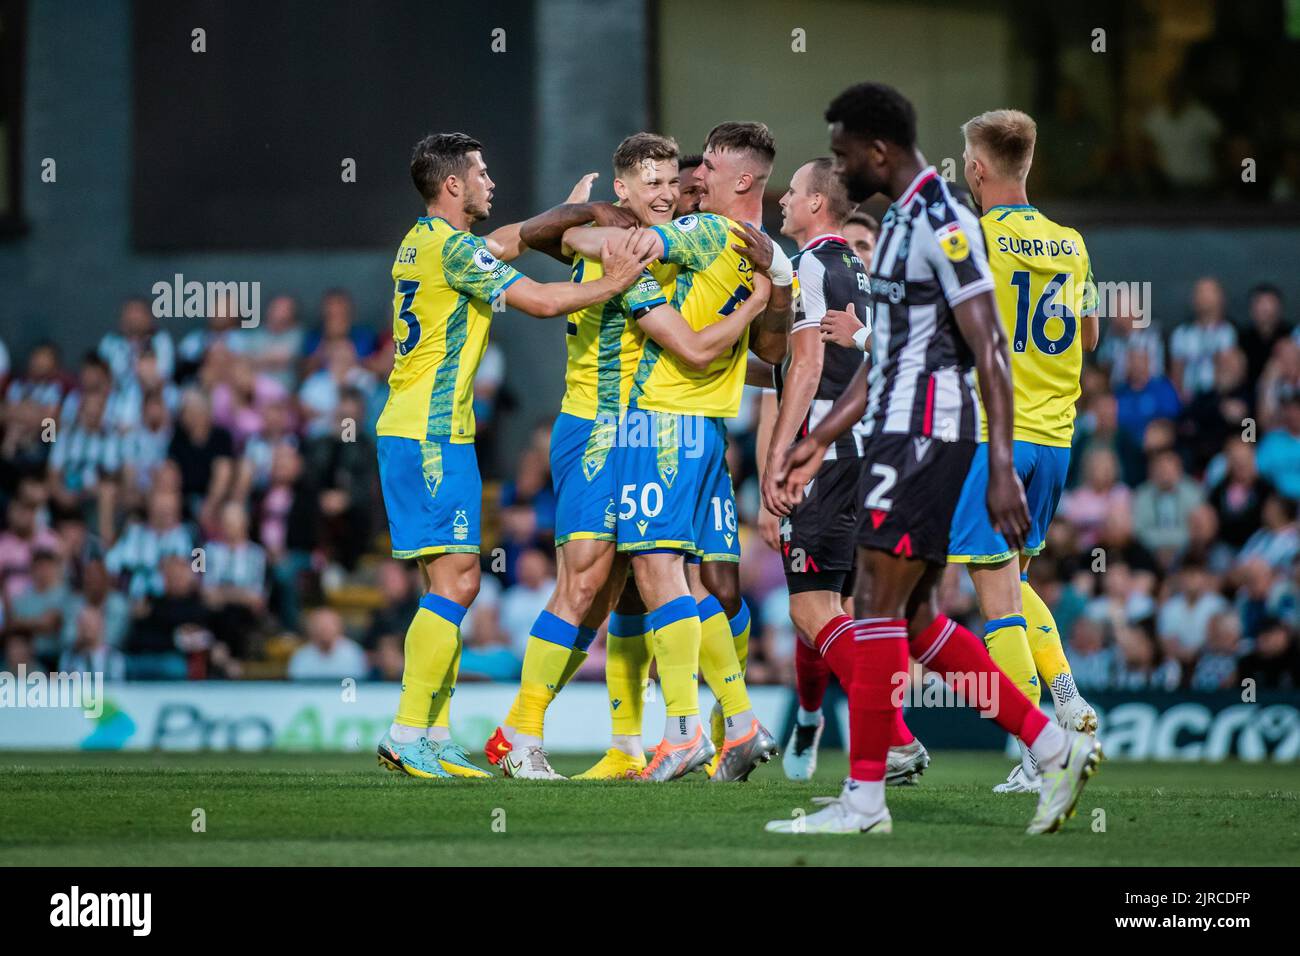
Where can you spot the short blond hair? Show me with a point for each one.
(1006, 138)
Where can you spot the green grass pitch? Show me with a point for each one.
(277, 809)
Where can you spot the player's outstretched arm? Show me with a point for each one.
(977, 318)
(505, 243)
(586, 241)
(698, 348)
(622, 263)
(545, 231)
(802, 459)
(801, 379)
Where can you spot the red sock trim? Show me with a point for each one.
(835, 646)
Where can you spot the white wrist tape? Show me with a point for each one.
(782, 269)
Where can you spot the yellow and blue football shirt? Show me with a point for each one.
(674, 488)
(712, 281)
(604, 343)
(1043, 283)
(603, 346)
(445, 282)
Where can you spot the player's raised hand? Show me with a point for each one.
(581, 191)
(1008, 510)
(840, 327)
(607, 214)
(797, 467)
(754, 245)
(622, 261)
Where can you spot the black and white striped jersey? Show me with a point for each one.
(929, 258)
(830, 276)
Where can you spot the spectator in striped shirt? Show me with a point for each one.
(137, 335)
(97, 595)
(94, 378)
(1277, 542)
(90, 652)
(1193, 345)
(1122, 336)
(234, 581)
(144, 449)
(85, 464)
(31, 404)
(137, 556)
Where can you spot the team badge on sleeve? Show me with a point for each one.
(952, 240)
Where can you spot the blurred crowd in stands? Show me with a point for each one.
(205, 505)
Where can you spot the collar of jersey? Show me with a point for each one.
(824, 237)
(1003, 205)
(432, 218)
(915, 185)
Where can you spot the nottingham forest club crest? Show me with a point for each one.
(460, 525)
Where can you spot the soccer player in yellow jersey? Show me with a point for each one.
(446, 281)
(1045, 294)
(674, 493)
(604, 343)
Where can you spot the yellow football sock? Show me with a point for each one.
(432, 645)
(578, 655)
(440, 712)
(677, 649)
(740, 634)
(1044, 639)
(545, 659)
(628, 651)
(1009, 648)
(718, 658)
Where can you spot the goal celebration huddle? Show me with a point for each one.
(925, 373)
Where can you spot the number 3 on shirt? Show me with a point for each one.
(407, 288)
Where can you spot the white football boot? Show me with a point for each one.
(1024, 777)
(836, 816)
(800, 758)
(1063, 779)
(905, 764)
(528, 763)
(1077, 714)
